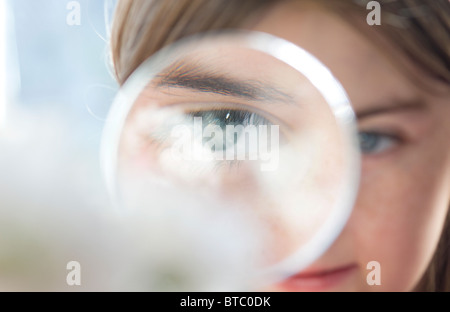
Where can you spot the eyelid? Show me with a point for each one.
(189, 107)
(390, 132)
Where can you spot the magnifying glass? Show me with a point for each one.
(244, 138)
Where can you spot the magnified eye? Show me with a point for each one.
(232, 124)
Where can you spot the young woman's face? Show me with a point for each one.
(405, 188)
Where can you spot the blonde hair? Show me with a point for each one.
(418, 29)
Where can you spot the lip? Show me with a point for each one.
(318, 279)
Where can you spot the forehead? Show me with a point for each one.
(351, 55)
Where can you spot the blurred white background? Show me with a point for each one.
(55, 91)
(57, 83)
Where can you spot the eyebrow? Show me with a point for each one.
(393, 106)
(197, 78)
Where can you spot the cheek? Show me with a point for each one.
(398, 219)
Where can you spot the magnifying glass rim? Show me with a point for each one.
(302, 61)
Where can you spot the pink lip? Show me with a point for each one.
(318, 280)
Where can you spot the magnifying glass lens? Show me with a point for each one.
(244, 135)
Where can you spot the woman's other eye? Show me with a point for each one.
(372, 143)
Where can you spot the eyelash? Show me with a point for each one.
(244, 117)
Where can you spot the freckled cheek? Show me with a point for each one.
(391, 225)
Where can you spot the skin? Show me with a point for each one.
(405, 187)
(404, 192)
